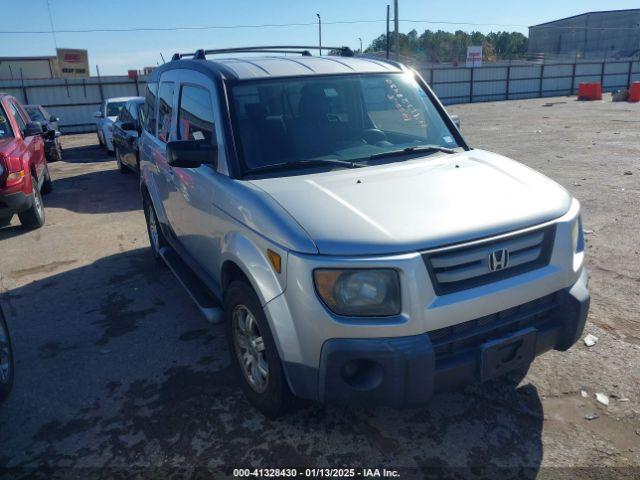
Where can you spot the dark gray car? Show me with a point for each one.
(51, 129)
(126, 131)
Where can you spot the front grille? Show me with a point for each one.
(463, 338)
(466, 267)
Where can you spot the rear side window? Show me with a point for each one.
(149, 108)
(195, 116)
(165, 109)
(5, 126)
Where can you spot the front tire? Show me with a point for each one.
(253, 352)
(121, 166)
(34, 217)
(6, 360)
(156, 238)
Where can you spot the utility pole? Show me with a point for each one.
(319, 32)
(396, 24)
(387, 37)
(360, 38)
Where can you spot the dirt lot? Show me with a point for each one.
(116, 368)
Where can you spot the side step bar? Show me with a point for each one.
(206, 302)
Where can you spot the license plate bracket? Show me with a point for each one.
(508, 353)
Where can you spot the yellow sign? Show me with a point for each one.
(73, 63)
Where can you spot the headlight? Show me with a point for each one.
(359, 293)
(577, 235)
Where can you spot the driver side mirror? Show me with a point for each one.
(191, 154)
(53, 118)
(97, 114)
(456, 121)
(32, 129)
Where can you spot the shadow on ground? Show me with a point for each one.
(163, 394)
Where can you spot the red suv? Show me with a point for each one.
(24, 173)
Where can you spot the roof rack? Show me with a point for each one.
(301, 50)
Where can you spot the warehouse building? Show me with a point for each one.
(593, 35)
(13, 68)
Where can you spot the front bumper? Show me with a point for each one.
(406, 371)
(14, 203)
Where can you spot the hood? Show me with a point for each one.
(417, 204)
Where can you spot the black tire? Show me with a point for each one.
(122, 168)
(276, 398)
(150, 214)
(57, 154)
(47, 185)
(6, 360)
(34, 217)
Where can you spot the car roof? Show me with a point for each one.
(120, 99)
(136, 100)
(249, 68)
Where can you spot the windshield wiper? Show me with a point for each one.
(410, 150)
(308, 163)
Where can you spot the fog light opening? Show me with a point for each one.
(362, 374)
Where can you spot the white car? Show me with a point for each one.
(105, 117)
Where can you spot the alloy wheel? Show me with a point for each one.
(250, 348)
(37, 199)
(153, 228)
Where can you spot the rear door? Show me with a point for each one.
(156, 144)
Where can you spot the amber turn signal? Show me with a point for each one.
(275, 260)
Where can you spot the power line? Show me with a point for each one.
(299, 24)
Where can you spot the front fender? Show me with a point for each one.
(250, 256)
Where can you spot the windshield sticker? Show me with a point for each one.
(330, 92)
(198, 135)
(448, 139)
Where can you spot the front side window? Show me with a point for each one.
(123, 116)
(344, 118)
(35, 114)
(165, 109)
(195, 116)
(113, 108)
(5, 126)
(149, 108)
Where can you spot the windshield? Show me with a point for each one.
(35, 114)
(347, 117)
(113, 108)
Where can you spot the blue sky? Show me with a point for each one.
(117, 52)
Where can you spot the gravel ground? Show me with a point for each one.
(117, 370)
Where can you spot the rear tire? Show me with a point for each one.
(34, 217)
(6, 360)
(253, 352)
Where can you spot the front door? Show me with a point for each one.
(190, 208)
